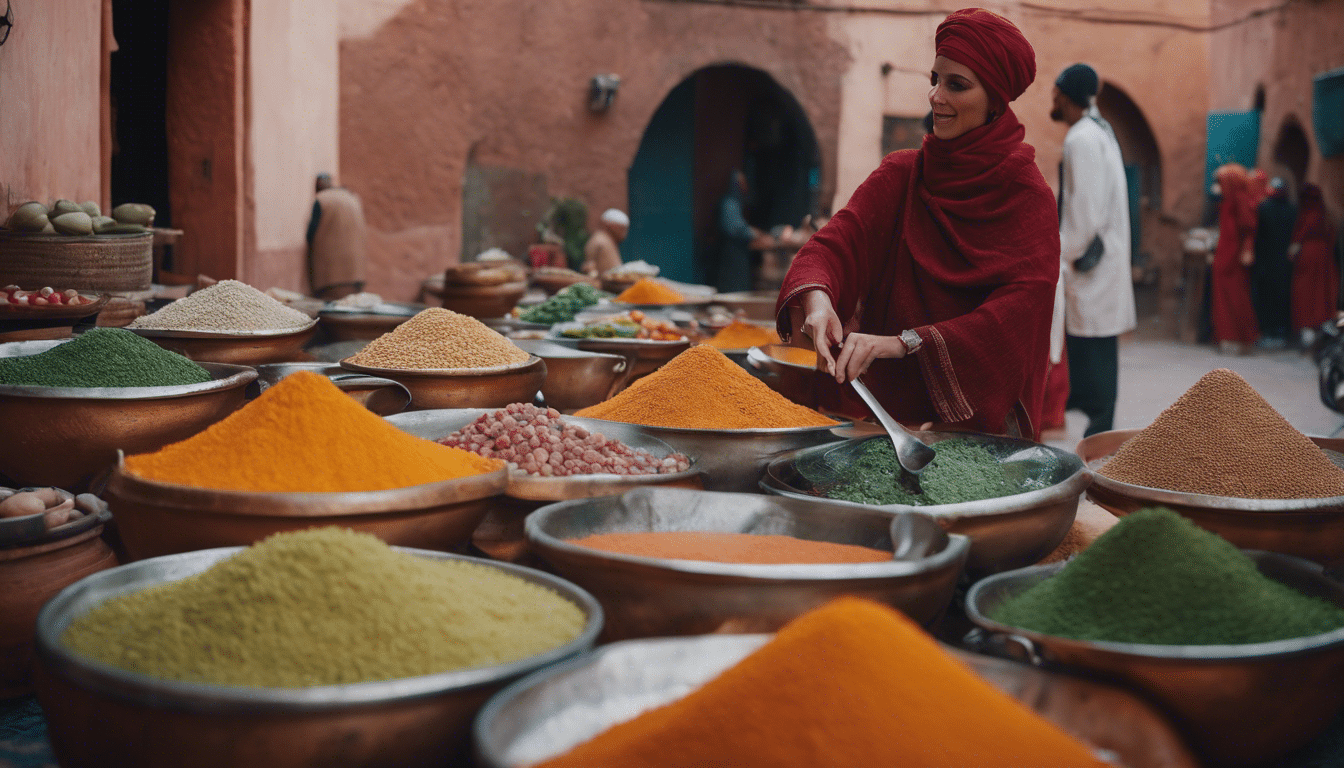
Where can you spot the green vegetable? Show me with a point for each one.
(603, 331)
(963, 470)
(102, 357)
(1157, 578)
(564, 305)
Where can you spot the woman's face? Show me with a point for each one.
(958, 100)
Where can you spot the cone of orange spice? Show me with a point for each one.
(740, 335)
(649, 291)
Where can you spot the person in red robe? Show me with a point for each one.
(1233, 314)
(1315, 273)
(936, 282)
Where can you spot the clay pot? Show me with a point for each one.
(29, 576)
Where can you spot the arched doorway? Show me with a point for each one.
(721, 118)
(1293, 152)
(1143, 161)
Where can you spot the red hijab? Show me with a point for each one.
(995, 50)
(959, 241)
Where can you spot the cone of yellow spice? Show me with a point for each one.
(305, 435)
(702, 389)
(741, 335)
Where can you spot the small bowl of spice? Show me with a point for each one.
(1244, 649)
(705, 405)
(852, 683)
(69, 405)
(336, 687)
(451, 360)
(670, 561)
(1014, 498)
(1223, 457)
(229, 322)
(302, 454)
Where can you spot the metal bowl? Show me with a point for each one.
(757, 305)
(1310, 528)
(382, 396)
(156, 518)
(648, 597)
(100, 715)
(574, 378)
(1238, 704)
(551, 711)
(483, 300)
(464, 387)
(66, 436)
(552, 282)
(1007, 532)
(644, 356)
(252, 348)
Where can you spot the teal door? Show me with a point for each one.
(661, 189)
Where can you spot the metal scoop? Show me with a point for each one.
(911, 454)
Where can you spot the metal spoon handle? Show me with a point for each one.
(909, 449)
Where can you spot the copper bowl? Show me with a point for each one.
(156, 518)
(483, 300)
(99, 715)
(576, 378)
(552, 282)
(66, 436)
(251, 348)
(358, 326)
(1309, 528)
(464, 387)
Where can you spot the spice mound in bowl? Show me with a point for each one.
(716, 547)
(102, 357)
(963, 470)
(325, 606)
(1221, 438)
(852, 683)
(304, 434)
(438, 339)
(742, 335)
(646, 290)
(539, 442)
(228, 306)
(702, 388)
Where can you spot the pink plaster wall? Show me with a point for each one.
(508, 79)
(50, 100)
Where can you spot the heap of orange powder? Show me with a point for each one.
(717, 547)
(740, 335)
(702, 389)
(852, 683)
(304, 434)
(649, 291)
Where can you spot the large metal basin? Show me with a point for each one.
(1310, 528)
(99, 715)
(1238, 704)
(643, 356)
(381, 396)
(576, 378)
(734, 460)
(551, 711)
(1007, 532)
(464, 387)
(156, 518)
(648, 597)
(253, 348)
(67, 436)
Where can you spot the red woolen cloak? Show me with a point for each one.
(1315, 274)
(959, 241)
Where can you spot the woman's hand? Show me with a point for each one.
(859, 352)
(822, 325)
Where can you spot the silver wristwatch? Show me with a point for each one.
(912, 341)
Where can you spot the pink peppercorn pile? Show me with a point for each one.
(537, 441)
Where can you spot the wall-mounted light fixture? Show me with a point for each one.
(602, 91)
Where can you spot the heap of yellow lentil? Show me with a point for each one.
(1223, 439)
(325, 606)
(437, 339)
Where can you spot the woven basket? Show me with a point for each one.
(96, 264)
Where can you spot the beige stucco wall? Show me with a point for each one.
(50, 95)
(294, 129)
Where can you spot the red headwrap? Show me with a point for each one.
(993, 48)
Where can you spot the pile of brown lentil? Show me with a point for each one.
(1222, 438)
(440, 338)
(537, 441)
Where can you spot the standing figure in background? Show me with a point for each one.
(1094, 248)
(1234, 325)
(336, 241)
(1315, 274)
(602, 252)
(737, 238)
(1272, 274)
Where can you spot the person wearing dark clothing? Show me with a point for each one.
(1272, 273)
(733, 272)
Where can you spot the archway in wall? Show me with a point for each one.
(721, 118)
(1143, 161)
(1293, 152)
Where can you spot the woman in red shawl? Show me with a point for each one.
(938, 278)
(1234, 325)
(1315, 274)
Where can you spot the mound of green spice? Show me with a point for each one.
(103, 357)
(564, 305)
(963, 470)
(1157, 578)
